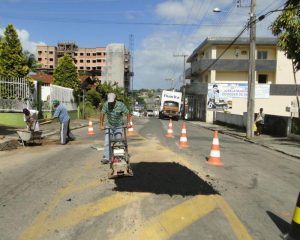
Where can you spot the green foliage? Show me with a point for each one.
(12, 60)
(93, 97)
(287, 28)
(66, 75)
(89, 110)
(107, 87)
(31, 61)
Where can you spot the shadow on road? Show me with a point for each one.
(281, 224)
(164, 178)
(6, 130)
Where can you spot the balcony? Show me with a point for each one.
(229, 65)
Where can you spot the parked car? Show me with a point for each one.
(136, 114)
(150, 113)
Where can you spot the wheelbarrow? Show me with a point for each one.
(27, 136)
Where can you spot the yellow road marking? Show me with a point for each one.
(94, 209)
(173, 220)
(33, 231)
(238, 228)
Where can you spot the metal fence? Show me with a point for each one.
(15, 94)
(64, 95)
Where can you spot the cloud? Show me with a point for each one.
(155, 61)
(24, 37)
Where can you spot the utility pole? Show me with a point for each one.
(184, 82)
(251, 78)
(131, 51)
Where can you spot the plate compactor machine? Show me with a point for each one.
(118, 152)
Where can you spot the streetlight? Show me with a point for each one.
(251, 74)
(217, 10)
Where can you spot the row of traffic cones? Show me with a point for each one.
(129, 130)
(183, 143)
(214, 157)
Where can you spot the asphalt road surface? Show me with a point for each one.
(62, 192)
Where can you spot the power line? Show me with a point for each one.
(105, 22)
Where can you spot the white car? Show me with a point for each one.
(136, 114)
(150, 113)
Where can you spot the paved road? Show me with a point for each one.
(62, 192)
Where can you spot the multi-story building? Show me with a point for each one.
(87, 60)
(217, 61)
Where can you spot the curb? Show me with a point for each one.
(250, 141)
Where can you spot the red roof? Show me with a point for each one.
(45, 78)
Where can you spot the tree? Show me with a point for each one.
(66, 75)
(31, 61)
(12, 60)
(108, 87)
(287, 28)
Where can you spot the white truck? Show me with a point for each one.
(170, 105)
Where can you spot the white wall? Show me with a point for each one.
(284, 70)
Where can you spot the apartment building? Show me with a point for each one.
(87, 60)
(216, 62)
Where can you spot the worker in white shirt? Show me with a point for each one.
(31, 119)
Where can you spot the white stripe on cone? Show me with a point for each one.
(215, 141)
(214, 153)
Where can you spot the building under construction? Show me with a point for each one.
(110, 64)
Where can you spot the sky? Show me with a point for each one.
(163, 30)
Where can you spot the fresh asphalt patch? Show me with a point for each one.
(164, 178)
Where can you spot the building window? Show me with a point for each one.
(81, 54)
(75, 54)
(88, 68)
(94, 68)
(99, 60)
(51, 59)
(50, 52)
(81, 68)
(244, 52)
(88, 61)
(94, 54)
(94, 61)
(262, 78)
(99, 53)
(262, 55)
(51, 66)
(81, 61)
(75, 61)
(39, 59)
(88, 54)
(39, 52)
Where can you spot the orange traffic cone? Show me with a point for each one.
(130, 131)
(90, 128)
(170, 129)
(183, 143)
(215, 156)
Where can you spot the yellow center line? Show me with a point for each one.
(94, 209)
(33, 231)
(238, 228)
(173, 220)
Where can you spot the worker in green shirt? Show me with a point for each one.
(113, 112)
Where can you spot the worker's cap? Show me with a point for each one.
(55, 102)
(26, 111)
(111, 97)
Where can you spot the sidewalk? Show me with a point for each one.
(284, 145)
(9, 137)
